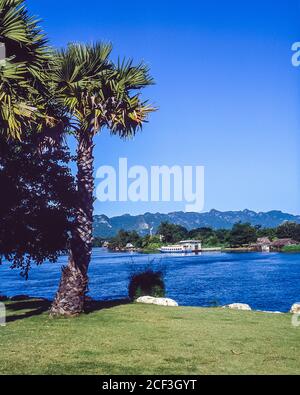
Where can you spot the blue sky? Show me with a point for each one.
(227, 93)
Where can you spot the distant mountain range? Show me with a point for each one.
(108, 227)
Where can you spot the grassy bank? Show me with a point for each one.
(293, 248)
(141, 339)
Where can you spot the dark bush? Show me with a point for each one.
(147, 283)
(38, 197)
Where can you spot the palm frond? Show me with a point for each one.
(24, 72)
(99, 93)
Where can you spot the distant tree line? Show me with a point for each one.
(241, 234)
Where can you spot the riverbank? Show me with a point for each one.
(223, 249)
(144, 339)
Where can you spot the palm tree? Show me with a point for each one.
(97, 94)
(22, 71)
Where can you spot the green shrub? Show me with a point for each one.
(152, 247)
(292, 248)
(147, 283)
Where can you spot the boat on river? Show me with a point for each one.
(183, 247)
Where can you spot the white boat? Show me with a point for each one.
(183, 247)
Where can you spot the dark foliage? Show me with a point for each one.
(242, 234)
(98, 242)
(37, 200)
(172, 233)
(147, 283)
(123, 238)
(289, 230)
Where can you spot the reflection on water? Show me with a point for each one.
(265, 281)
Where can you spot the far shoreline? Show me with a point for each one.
(222, 251)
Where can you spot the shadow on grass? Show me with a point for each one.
(32, 307)
(94, 305)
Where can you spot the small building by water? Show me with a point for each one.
(280, 243)
(129, 247)
(264, 244)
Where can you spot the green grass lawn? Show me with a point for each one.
(144, 339)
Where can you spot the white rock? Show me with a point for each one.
(238, 306)
(145, 300)
(165, 302)
(157, 301)
(270, 312)
(295, 309)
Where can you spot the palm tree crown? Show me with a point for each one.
(99, 93)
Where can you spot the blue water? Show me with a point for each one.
(264, 281)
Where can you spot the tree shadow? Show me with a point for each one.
(35, 307)
(93, 305)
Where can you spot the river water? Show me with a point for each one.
(266, 281)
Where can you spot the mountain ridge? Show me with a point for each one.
(105, 226)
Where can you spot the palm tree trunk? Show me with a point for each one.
(70, 297)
